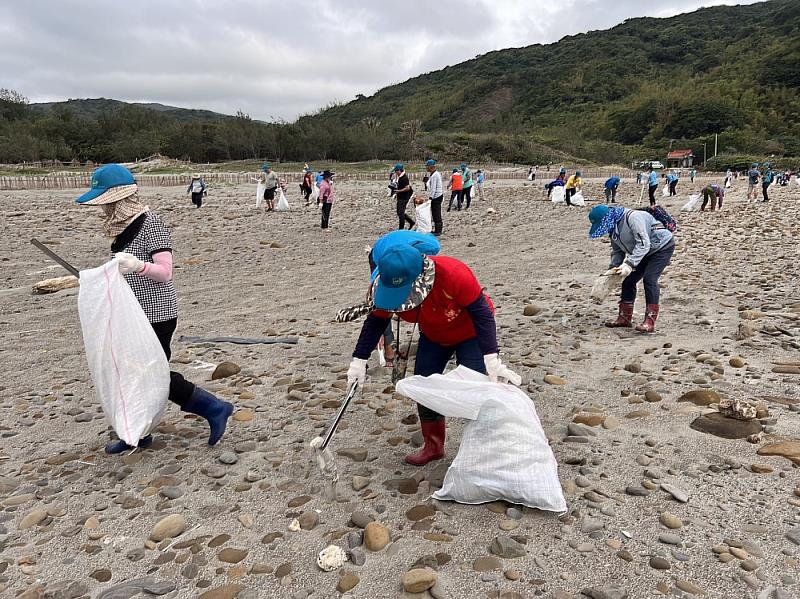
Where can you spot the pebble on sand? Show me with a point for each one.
(376, 536)
(418, 580)
(224, 370)
(168, 528)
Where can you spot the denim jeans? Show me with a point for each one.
(649, 269)
(432, 358)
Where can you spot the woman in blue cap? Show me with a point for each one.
(143, 246)
(402, 194)
(442, 296)
(641, 248)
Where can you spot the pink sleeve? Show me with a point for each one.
(160, 269)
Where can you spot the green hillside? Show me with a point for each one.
(613, 96)
(94, 108)
(728, 70)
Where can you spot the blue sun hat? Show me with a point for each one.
(110, 183)
(265, 166)
(430, 162)
(405, 278)
(604, 219)
(398, 167)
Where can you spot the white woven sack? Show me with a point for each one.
(424, 217)
(558, 195)
(283, 203)
(260, 188)
(693, 203)
(504, 453)
(126, 360)
(665, 190)
(577, 199)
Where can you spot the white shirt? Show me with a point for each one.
(435, 188)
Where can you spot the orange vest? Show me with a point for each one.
(457, 183)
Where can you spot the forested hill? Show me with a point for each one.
(733, 70)
(94, 108)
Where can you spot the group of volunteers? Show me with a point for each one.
(410, 281)
(572, 184)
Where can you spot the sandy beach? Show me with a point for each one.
(75, 522)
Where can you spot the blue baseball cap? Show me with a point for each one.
(430, 162)
(463, 165)
(398, 268)
(398, 167)
(106, 178)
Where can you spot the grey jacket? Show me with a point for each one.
(636, 236)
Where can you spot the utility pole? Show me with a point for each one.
(716, 138)
(704, 154)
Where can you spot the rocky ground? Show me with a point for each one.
(656, 507)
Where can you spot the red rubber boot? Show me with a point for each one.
(625, 318)
(433, 431)
(650, 317)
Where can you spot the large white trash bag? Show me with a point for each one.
(128, 365)
(283, 203)
(558, 195)
(577, 199)
(424, 217)
(693, 203)
(260, 189)
(504, 453)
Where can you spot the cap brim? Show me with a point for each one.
(407, 297)
(99, 196)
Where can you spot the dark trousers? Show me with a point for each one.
(326, 214)
(672, 186)
(402, 216)
(710, 195)
(651, 193)
(764, 189)
(197, 199)
(649, 270)
(436, 215)
(432, 358)
(456, 195)
(570, 191)
(467, 195)
(306, 191)
(180, 390)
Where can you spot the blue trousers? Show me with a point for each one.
(432, 358)
(649, 269)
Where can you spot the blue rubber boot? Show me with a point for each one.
(212, 409)
(119, 445)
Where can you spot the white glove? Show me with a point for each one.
(357, 372)
(498, 372)
(623, 269)
(128, 263)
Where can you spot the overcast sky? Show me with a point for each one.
(273, 59)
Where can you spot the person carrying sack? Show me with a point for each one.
(435, 195)
(270, 181)
(143, 246)
(442, 296)
(641, 248)
(197, 187)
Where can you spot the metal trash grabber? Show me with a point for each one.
(325, 459)
(74, 271)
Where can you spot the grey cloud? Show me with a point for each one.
(270, 58)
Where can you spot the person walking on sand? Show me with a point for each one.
(197, 187)
(728, 178)
(574, 185)
(403, 194)
(307, 185)
(610, 187)
(641, 248)
(326, 198)
(435, 194)
(467, 183)
(142, 244)
(766, 180)
(753, 176)
(715, 193)
(456, 186)
(692, 175)
(455, 317)
(269, 180)
(652, 184)
(479, 178)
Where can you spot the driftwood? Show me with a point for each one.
(54, 285)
